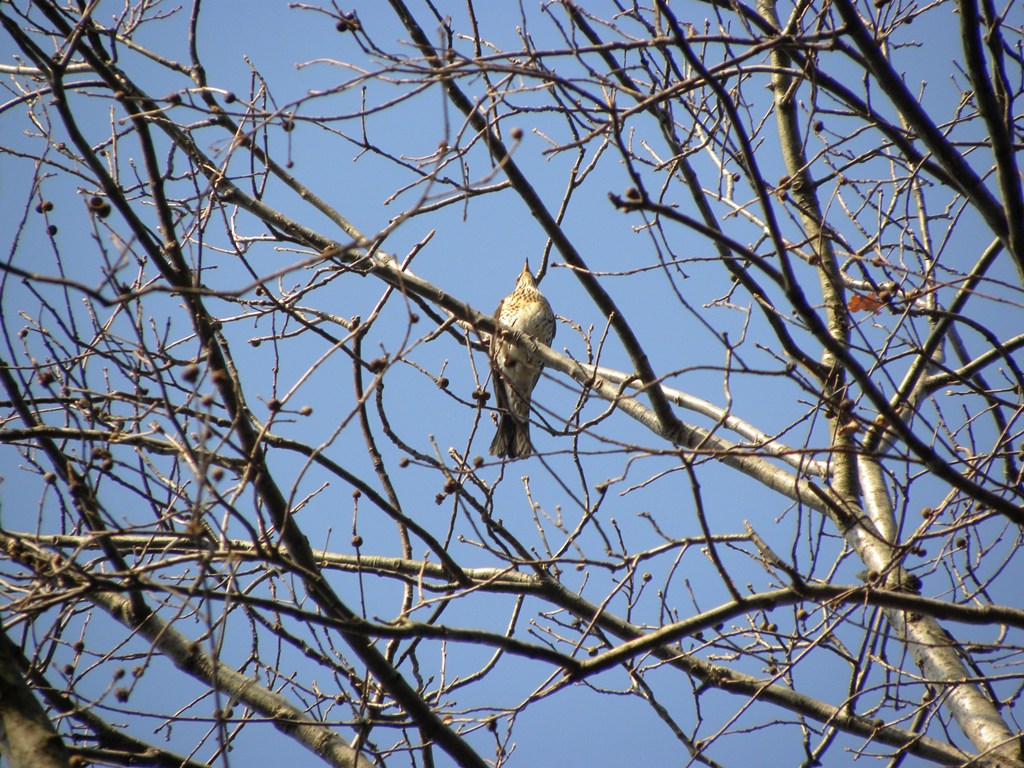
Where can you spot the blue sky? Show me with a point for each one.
(474, 252)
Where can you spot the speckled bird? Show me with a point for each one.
(527, 311)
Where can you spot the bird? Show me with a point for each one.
(525, 310)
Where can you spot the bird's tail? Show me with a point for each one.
(512, 440)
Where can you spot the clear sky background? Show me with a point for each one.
(475, 252)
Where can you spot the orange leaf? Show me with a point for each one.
(868, 303)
